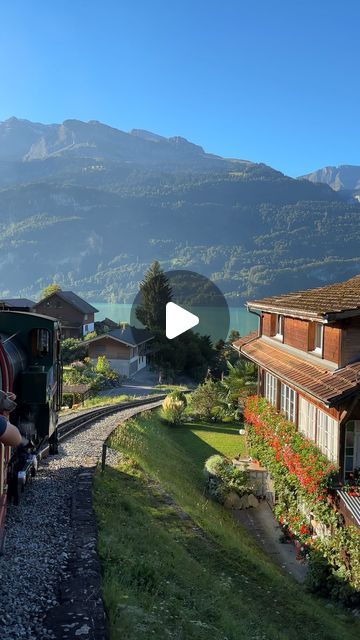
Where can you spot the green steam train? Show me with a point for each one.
(30, 368)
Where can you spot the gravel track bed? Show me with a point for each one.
(69, 415)
(39, 533)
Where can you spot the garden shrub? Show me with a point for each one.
(173, 407)
(67, 400)
(214, 465)
(98, 376)
(206, 400)
(223, 477)
(318, 574)
(73, 349)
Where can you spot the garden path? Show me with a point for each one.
(261, 524)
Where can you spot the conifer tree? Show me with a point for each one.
(155, 294)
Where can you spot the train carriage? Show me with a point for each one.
(30, 367)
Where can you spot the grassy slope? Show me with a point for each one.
(165, 578)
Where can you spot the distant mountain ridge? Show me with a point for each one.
(90, 206)
(344, 177)
(23, 140)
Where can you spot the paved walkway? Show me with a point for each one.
(141, 384)
(261, 524)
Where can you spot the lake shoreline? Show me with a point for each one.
(240, 318)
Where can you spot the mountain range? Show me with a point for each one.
(90, 206)
(345, 178)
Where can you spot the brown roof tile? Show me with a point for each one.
(333, 299)
(330, 387)
(244, 340)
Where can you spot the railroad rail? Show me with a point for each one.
(67, 427)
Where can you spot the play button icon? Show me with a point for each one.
(178, 320)
(191, 301)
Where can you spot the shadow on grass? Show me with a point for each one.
(197, 449)
(199, 426)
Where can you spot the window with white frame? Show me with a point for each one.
(307, 418)
(319, 337)
(288, 402)
(279, 326)
(270, 388)
(327, 435)
(350, 447)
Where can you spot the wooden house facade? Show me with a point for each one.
(307, 350)
(75, 314)
(126, 349)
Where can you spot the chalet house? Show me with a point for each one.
(75, 314)
(126, 349)
(16, 304)
(307, 351)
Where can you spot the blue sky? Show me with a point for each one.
(269, 81)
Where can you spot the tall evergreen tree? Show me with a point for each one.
(155, 294)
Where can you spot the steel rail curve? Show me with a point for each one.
(68, 427)
(71, 426)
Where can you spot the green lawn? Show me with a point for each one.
(202, 440)
(99, 401)
(168, 576)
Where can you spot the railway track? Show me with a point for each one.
(68, 427)
(51, 587)
(72, 425)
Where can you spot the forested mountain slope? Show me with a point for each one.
(91, 206)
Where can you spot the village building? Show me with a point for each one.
(126, 349)
(307, 350)
(106, 325)
(16, 304)
(75, 314)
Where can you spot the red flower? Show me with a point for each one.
(304, 530)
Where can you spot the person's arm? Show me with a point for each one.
(9, 435)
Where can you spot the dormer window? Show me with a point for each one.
(279, 326)
(319, 337)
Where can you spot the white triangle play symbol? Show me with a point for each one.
(178, 320)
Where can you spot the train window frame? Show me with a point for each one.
(40, 342)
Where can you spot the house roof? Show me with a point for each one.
(330, 387)
(131, 336)
(18, 302)
(107, 322)
(73, 299)
(244, 339)
(329, 302)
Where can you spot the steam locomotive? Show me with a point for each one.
(30, 367)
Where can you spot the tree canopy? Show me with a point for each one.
(49, 290)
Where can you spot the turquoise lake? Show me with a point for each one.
(240, 319)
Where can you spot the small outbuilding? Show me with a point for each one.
(126, 349)
(79, 392)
